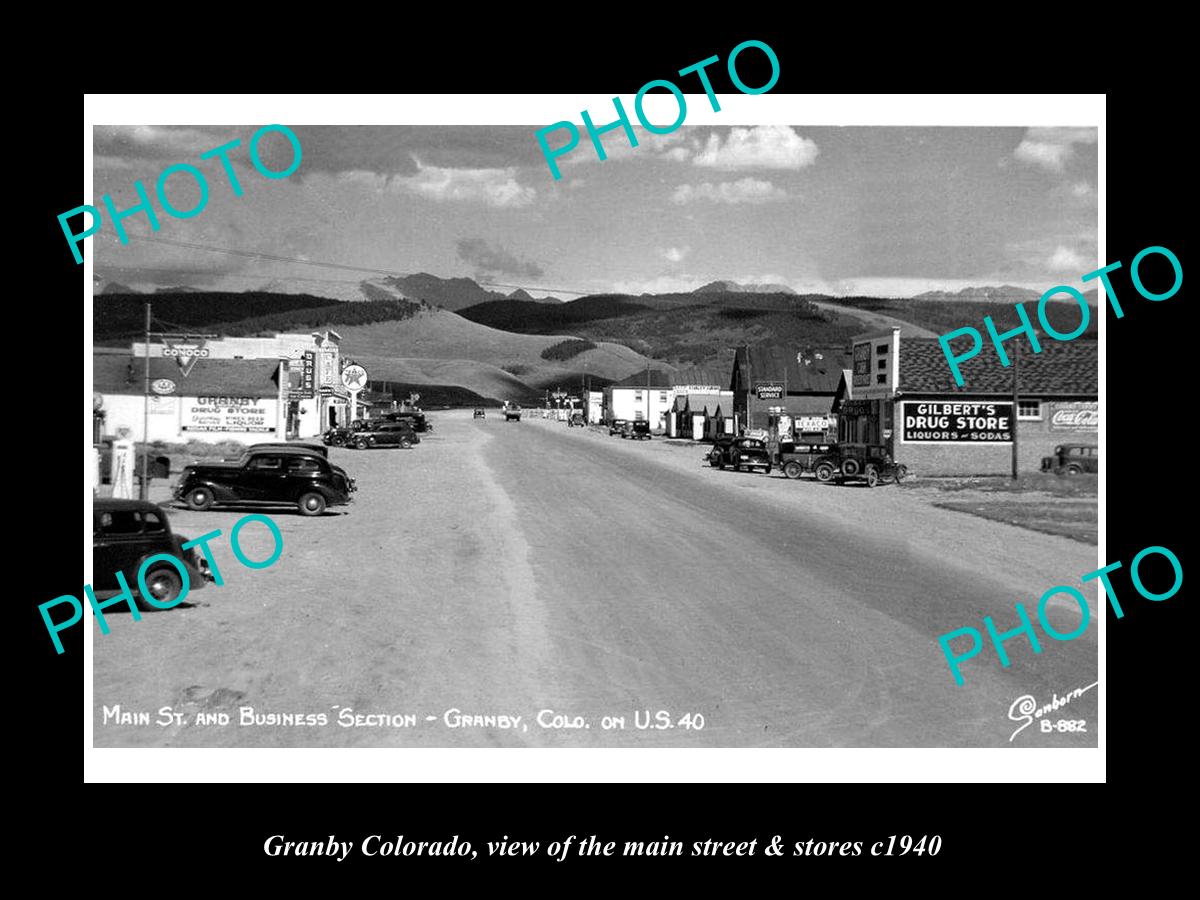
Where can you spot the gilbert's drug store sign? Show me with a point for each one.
(248, 414)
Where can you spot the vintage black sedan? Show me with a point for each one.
(126, 533)
(740, 453)
(616, 426)
(385, 434)
(279, 476)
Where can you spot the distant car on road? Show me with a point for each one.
(277, 476)
(385, 434)
(1073, 459)
(479, 413)
(740, 453)
(512, 414)
(639, 431)
(616, 426)
(576, 420)
(125, 533)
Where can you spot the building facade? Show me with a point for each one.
(315, 398)
(221, 400)
(645, 396)
(786, 390)
(903, 395)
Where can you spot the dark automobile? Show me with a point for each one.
(156, 466)
(617, 426)
(479, 413)
(740, 453)
(512, 414)
(1073, 459)
(576, 420)
(796, 458)
(125, 533)
(277, 476)
(385, 434)
(286, 445)
(869, 463)
(640, 430)
(343, 434)
(416, 420)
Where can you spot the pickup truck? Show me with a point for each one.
(278, 476)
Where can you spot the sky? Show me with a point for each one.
(885, 211)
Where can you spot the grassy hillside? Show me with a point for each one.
(122, 316)
(480, 378)
(682, 329)
(941, 316)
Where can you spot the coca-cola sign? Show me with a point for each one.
(1078, 416)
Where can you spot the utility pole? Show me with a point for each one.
(647, 392)
(144, 487)
(747, 348)
(1016, 406)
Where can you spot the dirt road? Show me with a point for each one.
(547, 577)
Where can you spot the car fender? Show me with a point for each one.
(220, 492)
(196, 579)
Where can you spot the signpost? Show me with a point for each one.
(354, 379)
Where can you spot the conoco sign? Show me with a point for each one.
(1078, 416)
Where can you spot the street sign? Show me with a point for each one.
(354, 377)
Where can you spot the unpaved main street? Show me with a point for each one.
(509, 569)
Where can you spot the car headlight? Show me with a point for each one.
(745, 457)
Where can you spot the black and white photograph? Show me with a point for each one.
(486, 432)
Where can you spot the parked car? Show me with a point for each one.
(416, 420)
(277, 476)
(576, 421)
(869, 463)
(641, 431)
(740, 453)
(617, 426)
(125, 533)
(385, 434)
(479, 413)
(512, 414)
(287, 445)
(156, 466)
(343, 434)
(795, 459)
(1073, 459)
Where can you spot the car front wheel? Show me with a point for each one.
(361, 444)
(311, 504)
(872, 476)
(405, 443)
(793, 470)
(163, 584)
(824, 472)
(1072, 470)
(200, 499)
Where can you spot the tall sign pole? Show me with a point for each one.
(1016, 406)
(144, 487)
(647, 392)
(747, 425)
(354, 379)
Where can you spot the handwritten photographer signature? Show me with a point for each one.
(1025, 709)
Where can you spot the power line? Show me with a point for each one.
(255, 254)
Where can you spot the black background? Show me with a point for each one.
(1017, 833)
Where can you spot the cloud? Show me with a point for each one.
(674, 254)
(745, 190)
(165, 141)
(1066, 260)
(492, 187)
(1050, 148)
(489, 260)
(759, 147)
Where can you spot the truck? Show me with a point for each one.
(512, 412)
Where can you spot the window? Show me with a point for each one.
(882, 364)
(266, 463)
(153, 522)
(881, 379)
(303, 465)
(121, 521)
(637, 396)
(881, 349)
(662, 397)
(1029, 409)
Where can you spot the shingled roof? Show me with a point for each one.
(780, 363)
(125, 374)
(1061, 369)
